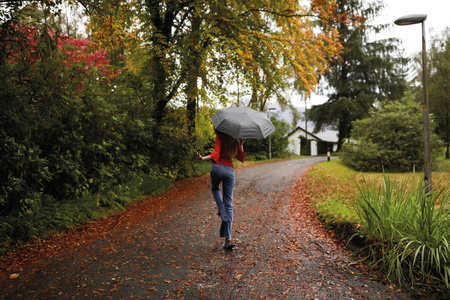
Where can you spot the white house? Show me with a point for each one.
(295, 141)
(303, 128)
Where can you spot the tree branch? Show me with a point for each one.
(278, 13)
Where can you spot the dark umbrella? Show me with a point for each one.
(243, 123)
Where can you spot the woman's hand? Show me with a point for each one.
(198, 156)
(241, 142)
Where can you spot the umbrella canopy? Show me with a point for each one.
(243, 123)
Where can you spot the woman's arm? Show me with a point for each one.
(241, 143)
(199, 157)
(216, 153)
(215, 156)
(241, 154)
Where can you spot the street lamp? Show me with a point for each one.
(270, 140)
(409, 20)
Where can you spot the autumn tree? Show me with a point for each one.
(187, 45)
(439, 87)
(278, 42)
(367, 71)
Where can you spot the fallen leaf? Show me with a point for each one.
(13, 276)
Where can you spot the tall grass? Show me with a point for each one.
(408, 231)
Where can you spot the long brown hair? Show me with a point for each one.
(230, 144)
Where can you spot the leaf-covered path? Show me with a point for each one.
(167, 247)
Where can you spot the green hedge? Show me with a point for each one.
(73, 141)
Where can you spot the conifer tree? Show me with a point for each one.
(366, 71)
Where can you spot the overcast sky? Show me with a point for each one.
(437, 19)
(411, 36)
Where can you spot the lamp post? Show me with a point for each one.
(409, 20)
(270, 140)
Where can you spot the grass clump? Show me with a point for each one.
(404, 232)
(408, 230)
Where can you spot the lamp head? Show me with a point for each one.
(411, 19)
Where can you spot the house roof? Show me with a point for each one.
(309, 133)
(325, 134)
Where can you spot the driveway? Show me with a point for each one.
(167, 247)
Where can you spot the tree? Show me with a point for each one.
(439, 87)
(366, 72)
(390, 139)
(185, 43)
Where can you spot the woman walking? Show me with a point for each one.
(222, 171)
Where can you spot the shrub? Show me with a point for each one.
(68, 144)
(279, 142)
(173, 152)
(391, 138)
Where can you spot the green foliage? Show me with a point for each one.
(408, 231)
(368, 70)
(403, 229)
(391, 138)
(259, 149)
(169, 47)
(47, 216)
(204, 130)
(69, 144)
(173, 152)
(203, 167)
(305, 146)
(443, 165)
(439, 90)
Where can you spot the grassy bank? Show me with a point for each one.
(333, 188)
(405, 232)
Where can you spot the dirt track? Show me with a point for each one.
(168, 248)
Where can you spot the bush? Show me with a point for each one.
(391, 138)
(259, 149)
(69, 144)
(173, 152)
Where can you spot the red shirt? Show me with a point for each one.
(221, 157)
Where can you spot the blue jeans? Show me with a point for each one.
(225, 175)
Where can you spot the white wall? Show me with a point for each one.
(313, 148)
(294, 143)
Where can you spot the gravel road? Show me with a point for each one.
(174, 252)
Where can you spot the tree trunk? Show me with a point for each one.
(193, 64)
(343, 129)
(255, 89)
(163, 25)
